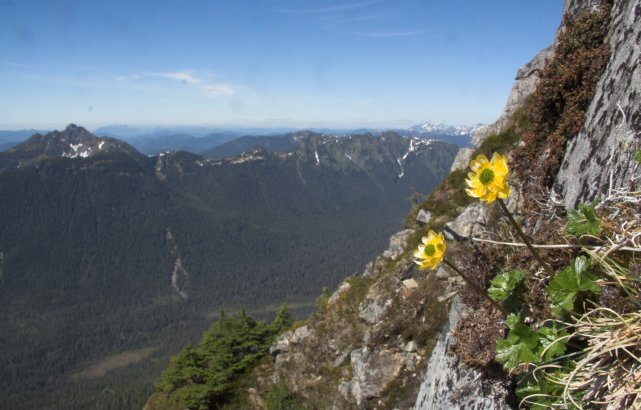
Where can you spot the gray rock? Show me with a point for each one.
(282, 344)
(410, 347)
(473, 220)
(373, 370)
(574, 7)
(411, 361)
(600, 158)
(301, 334)
(345, 389)
(470, 222)
(462, 159)
(397, 243)
(410, 283)
(372, 309)
(442, 273)
(344, 287)
(341, 358)
(527, 77)
(449, 386)
(423, 216)
(288, 338)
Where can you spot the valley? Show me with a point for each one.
(108, 251)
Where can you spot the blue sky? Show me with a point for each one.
(369, 63)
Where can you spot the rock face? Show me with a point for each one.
(574, 7)
(366, 348)
(527, 77)
(373, 371)
(471, 222)
(526, 80)
(601, 156)
(448, 386)
(397, 244)
(462, 159)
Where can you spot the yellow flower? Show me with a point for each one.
(431, 252)
(488, 179)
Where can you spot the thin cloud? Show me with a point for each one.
(332, 9)
(184, 76)
(390, 34)
(351, 18)
(19, 65)
(210, 89)
(217, 90)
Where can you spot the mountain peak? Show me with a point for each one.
(74, 141)
(428, 127)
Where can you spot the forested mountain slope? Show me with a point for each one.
(109, 252)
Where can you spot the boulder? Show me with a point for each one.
(470, 222)
(397, 243)
(423, 216)
(373, 370)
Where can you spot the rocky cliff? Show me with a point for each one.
(609, 138)
(598, 161)
(394, 337)
(600, 158)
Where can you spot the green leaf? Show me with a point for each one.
(565, 286)
(549, 336)
(513, 354)
(503, 285)
(519, 346)
(541, 393)
(637, 156)
(523, 332)
(583, 221)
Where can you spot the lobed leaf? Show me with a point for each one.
(552, 340)
(503, 285)
(583, 220)
(565, 286)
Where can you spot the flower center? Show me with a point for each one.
(430, 250)
(486, 176)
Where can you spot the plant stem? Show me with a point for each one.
(479, 291)
(524, 238)
(553, 246)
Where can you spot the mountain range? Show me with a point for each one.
(113, 260)
(205, 140)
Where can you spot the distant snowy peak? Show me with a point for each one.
(443, 129)
(72, 142)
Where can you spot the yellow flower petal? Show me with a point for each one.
(494, 184)
(489, 197)
(504, 192)
(499, 165)
(475, 164)
(429, 260)
(472, 193)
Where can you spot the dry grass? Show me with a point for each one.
(606, 372)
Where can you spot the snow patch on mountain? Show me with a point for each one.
(427, 127)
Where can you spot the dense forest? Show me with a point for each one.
(113, 262)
